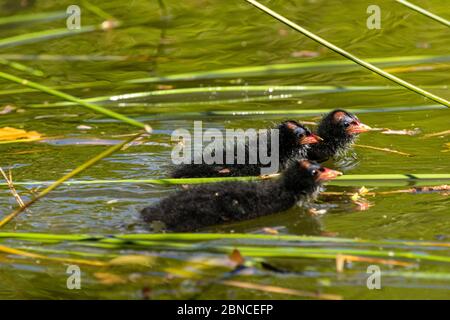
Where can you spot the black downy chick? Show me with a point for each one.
(294, 141)
(339, 130)
(212, 204)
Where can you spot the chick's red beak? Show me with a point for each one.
(358, 127)
(328, 174)
(311, 139)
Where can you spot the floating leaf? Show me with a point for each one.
(141, 260)
(236, 257)
(109, 278)
(8, 133)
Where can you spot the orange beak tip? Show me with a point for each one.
(310, 139)
(361, 127)
(317, 137)
(329, 174)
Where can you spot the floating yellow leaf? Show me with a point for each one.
(141, 260)
(109, 278)
(8, 133)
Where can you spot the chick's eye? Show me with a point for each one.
(346, 124)
(299, 132)
(315, 172)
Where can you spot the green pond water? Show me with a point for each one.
(160, 38)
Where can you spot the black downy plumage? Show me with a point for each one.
(216, 203)
(338, 129)
(294, 141)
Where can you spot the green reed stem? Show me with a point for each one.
(96, 10)
(345, 180)
(261, 245)
(69, 97)
(22, 67)
(426, 13)
(34, 17)
(43, 35)
(348, 55)
(195, 237)
(289, 69)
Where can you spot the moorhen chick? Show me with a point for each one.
(212, 204)
(294, 141)
(339, 130)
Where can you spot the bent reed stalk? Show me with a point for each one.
(349, 56)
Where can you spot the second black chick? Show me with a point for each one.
(294, 141)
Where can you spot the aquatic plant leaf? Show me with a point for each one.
(9, 133)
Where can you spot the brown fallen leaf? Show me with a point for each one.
(236, 257)
(8, 133)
